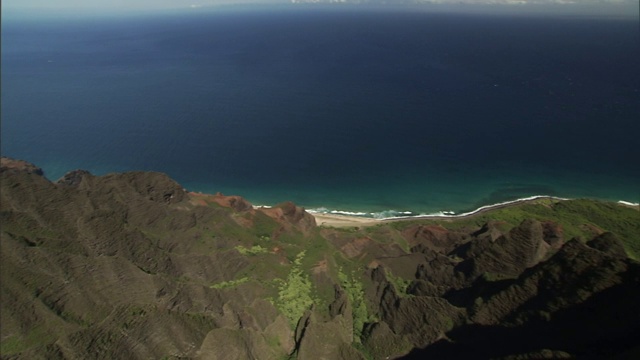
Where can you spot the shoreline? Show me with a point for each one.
(339, 219)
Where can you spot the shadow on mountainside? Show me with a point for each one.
(605, 325)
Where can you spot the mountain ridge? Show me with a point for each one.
(132, 265)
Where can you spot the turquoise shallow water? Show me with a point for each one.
(458, 196)
(356, 110)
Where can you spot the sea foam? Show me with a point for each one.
(394, 214)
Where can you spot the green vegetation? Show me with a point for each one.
(355, 294)
(254, 250)
(389, 346)
(578, 218)
(493, 277)
(227, 228)
(294, 295)
(273, 341)
(398, 283)
(387, 235)
(622, 221)
(263, 225)
(36, 336)
(11, 345)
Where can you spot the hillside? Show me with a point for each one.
(133, 266)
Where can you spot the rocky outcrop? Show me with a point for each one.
(255, 332)
(553, 285)
(235, 202)
(293, 215)
(433, 237)
(157, 187)
(73, 178)
(509, 254)
(576, 304)
(609, 244)
(326, 340)
(436, 275)
(14, 166)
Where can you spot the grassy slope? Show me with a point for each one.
(578, 218)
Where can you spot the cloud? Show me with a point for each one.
(94, 4)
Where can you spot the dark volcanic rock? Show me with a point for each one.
(340, 303)
(418, 320)
(73, 178)
(510, 254)
(482, 240)
(422, 319)
(425, 288)
(608, 243)
(432, 237)
(579, 303)
(384, 343)
(490, 231)
(442, 272)
(326, 339)
(571, 276)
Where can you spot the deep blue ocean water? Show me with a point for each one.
(352, 109)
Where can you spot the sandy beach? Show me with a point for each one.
(343, 220)
(335, 220)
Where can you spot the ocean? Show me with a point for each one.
(376, 111)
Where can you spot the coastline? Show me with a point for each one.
(338, 219)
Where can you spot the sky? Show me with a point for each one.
(13, 8)
(112, 4)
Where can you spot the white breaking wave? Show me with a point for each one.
(261, 206)
(628, 203)
(323, 210)
(391, 214)
(375, 215)
(450, 213)
(394, 214)
(339, 212)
